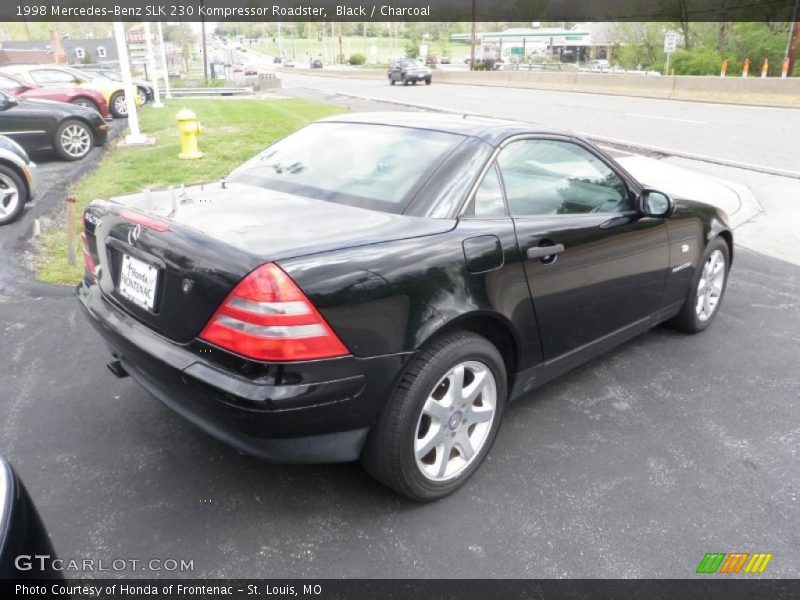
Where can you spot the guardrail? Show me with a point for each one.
(211, 91)
(772, 91)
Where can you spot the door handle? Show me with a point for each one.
(545, 251)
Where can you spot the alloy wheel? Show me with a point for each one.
(76, 140)
(9, 196)
(141, 96)
(709, 288)
(120, 105)
(455, 421)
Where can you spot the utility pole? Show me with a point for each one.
(794, 39)
(151, 62)
(472, 41)
(164, 60)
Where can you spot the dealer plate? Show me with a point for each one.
(138, 281)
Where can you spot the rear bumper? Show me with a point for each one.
(312, 412)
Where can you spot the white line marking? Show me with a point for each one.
(665, 118)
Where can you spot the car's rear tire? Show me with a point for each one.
(391, 80)
(13, 194)
(86, 103)
(414, 82)
(117, 105)
(73, 140)
(707, 289)
(441, 422)
(141, 95)
(404, 80)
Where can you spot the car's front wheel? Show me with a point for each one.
(708, 288)
(427, 81)
(117, 105)
(439, 426)
(391, 80)
(73, 140)
(12, 194)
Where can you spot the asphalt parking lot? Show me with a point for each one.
(634, 465)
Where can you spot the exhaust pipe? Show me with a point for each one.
(117, 369)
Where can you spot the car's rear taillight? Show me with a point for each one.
(267, 317)
(87, 256)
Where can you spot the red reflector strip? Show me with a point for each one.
(144, 220)
(87, 256)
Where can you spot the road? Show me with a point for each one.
(761, 136)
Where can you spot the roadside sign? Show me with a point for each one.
(670, 43)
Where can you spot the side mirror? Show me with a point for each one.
(652, 203)
(7, 101)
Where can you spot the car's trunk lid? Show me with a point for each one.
(214, 235)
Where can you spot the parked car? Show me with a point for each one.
(59, 76)
(17, 179)
(144, 89)
(288, 63)
(431, 61)
(250, 70)
(445, 60)
(385, 301)
(25, 548)
(72, 131)
(316, 63)
(408, 70)
(77, 96)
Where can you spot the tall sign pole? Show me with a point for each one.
(135, 136)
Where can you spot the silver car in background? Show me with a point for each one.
(17, 179)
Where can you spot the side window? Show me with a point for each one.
(553, 177)
(51, 76)
(488, 200)
(8, 84)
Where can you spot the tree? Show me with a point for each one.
(412, 46)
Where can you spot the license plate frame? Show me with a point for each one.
(138, 282)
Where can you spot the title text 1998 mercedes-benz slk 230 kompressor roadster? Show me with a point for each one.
(379, 286)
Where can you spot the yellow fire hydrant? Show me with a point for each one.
(189, 129)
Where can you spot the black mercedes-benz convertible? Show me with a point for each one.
(379, 286)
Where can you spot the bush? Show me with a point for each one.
(357, 59)
(697, 61)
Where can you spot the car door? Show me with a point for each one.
(24, 123)
(595, 267)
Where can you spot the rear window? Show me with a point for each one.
(379, 167)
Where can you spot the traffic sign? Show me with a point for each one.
(670, 42)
